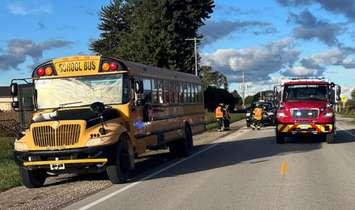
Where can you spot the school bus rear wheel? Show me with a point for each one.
(32, 178)
(183, 147)
(123, 161)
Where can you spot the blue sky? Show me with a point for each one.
(266, 40)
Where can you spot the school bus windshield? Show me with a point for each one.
(78, 91)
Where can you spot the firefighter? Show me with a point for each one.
(219, 114)
(257, 116)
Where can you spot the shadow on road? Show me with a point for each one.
(345, 136)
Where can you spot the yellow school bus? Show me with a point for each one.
(100, 113)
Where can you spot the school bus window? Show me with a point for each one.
(176, 91)
(126, 89)
(171, 92)
(154, 92)
(199, 93)
(160, 91)
(194, 93)
(185, 92)
(189, 91)
(147, 87)
(166, 92)
(181, 92)
(106, 89)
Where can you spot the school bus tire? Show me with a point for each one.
(122, 165)
(32, 178)
(183, 147)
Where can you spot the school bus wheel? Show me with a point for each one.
(183, 147)
(32, 178)
(122, 165)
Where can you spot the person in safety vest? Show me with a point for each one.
(257, 116)
(219, 114)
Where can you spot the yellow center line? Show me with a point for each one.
(284, 168)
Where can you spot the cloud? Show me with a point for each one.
(344, 7)
(257, 63)
(315, 65)
(233, 10)
(310, 28)
(19, 8)
(18, 49)
(215, 30)
(298, 71)
(335, 56)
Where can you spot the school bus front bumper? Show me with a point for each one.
(71, 158)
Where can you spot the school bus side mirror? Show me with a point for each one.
(14, 89)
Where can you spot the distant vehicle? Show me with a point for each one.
(268, 116)
(99, 113)
(306, 107)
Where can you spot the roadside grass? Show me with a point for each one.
(9, 175)
(211, 122)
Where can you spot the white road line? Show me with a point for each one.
(157, 172)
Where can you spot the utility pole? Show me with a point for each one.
(243, 88)
(195, 39)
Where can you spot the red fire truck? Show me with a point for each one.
(306, 107)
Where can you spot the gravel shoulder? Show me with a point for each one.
(65, 189)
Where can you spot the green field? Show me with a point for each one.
(9, 176)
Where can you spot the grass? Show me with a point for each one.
(212, 123)
(9, 176)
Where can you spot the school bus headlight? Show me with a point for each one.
(102, 140)
(21, 146)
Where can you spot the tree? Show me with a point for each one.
(152, 32)
(213, 96)
(212, 78)
(113, 24)
(238, 98)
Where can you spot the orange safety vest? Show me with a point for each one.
(258, 113)
(218, 112)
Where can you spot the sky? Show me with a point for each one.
(266, 40)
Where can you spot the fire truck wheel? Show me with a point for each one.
(183, 147)
(280, 139)
(123, 164)
(32, 178)
(329, 138)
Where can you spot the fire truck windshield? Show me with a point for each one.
(305, 92)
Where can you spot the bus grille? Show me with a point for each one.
(305, 113)
(64, 135)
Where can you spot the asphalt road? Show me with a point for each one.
(245, 170)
